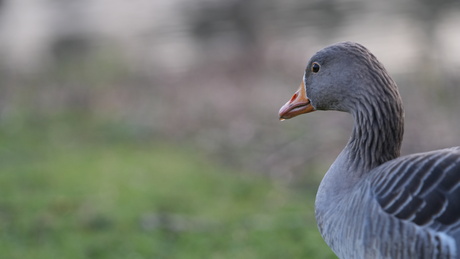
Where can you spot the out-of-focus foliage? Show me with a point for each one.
(213, 74)
(92, 190)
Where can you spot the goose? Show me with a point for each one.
(373, 203)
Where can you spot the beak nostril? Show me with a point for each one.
(293, 97)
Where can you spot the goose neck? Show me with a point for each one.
(377, 133)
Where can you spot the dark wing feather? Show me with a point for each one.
(423, 188)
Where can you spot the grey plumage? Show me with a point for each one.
(372, 203)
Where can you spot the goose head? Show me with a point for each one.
(340, 77)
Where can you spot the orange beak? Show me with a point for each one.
(298, 104)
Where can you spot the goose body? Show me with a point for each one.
(372, 203)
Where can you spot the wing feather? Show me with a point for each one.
(422, 188)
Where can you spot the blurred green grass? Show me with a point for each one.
(76, 187)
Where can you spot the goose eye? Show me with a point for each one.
(315, 67)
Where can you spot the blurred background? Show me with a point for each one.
(149, 129)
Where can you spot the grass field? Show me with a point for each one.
(72, 188)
